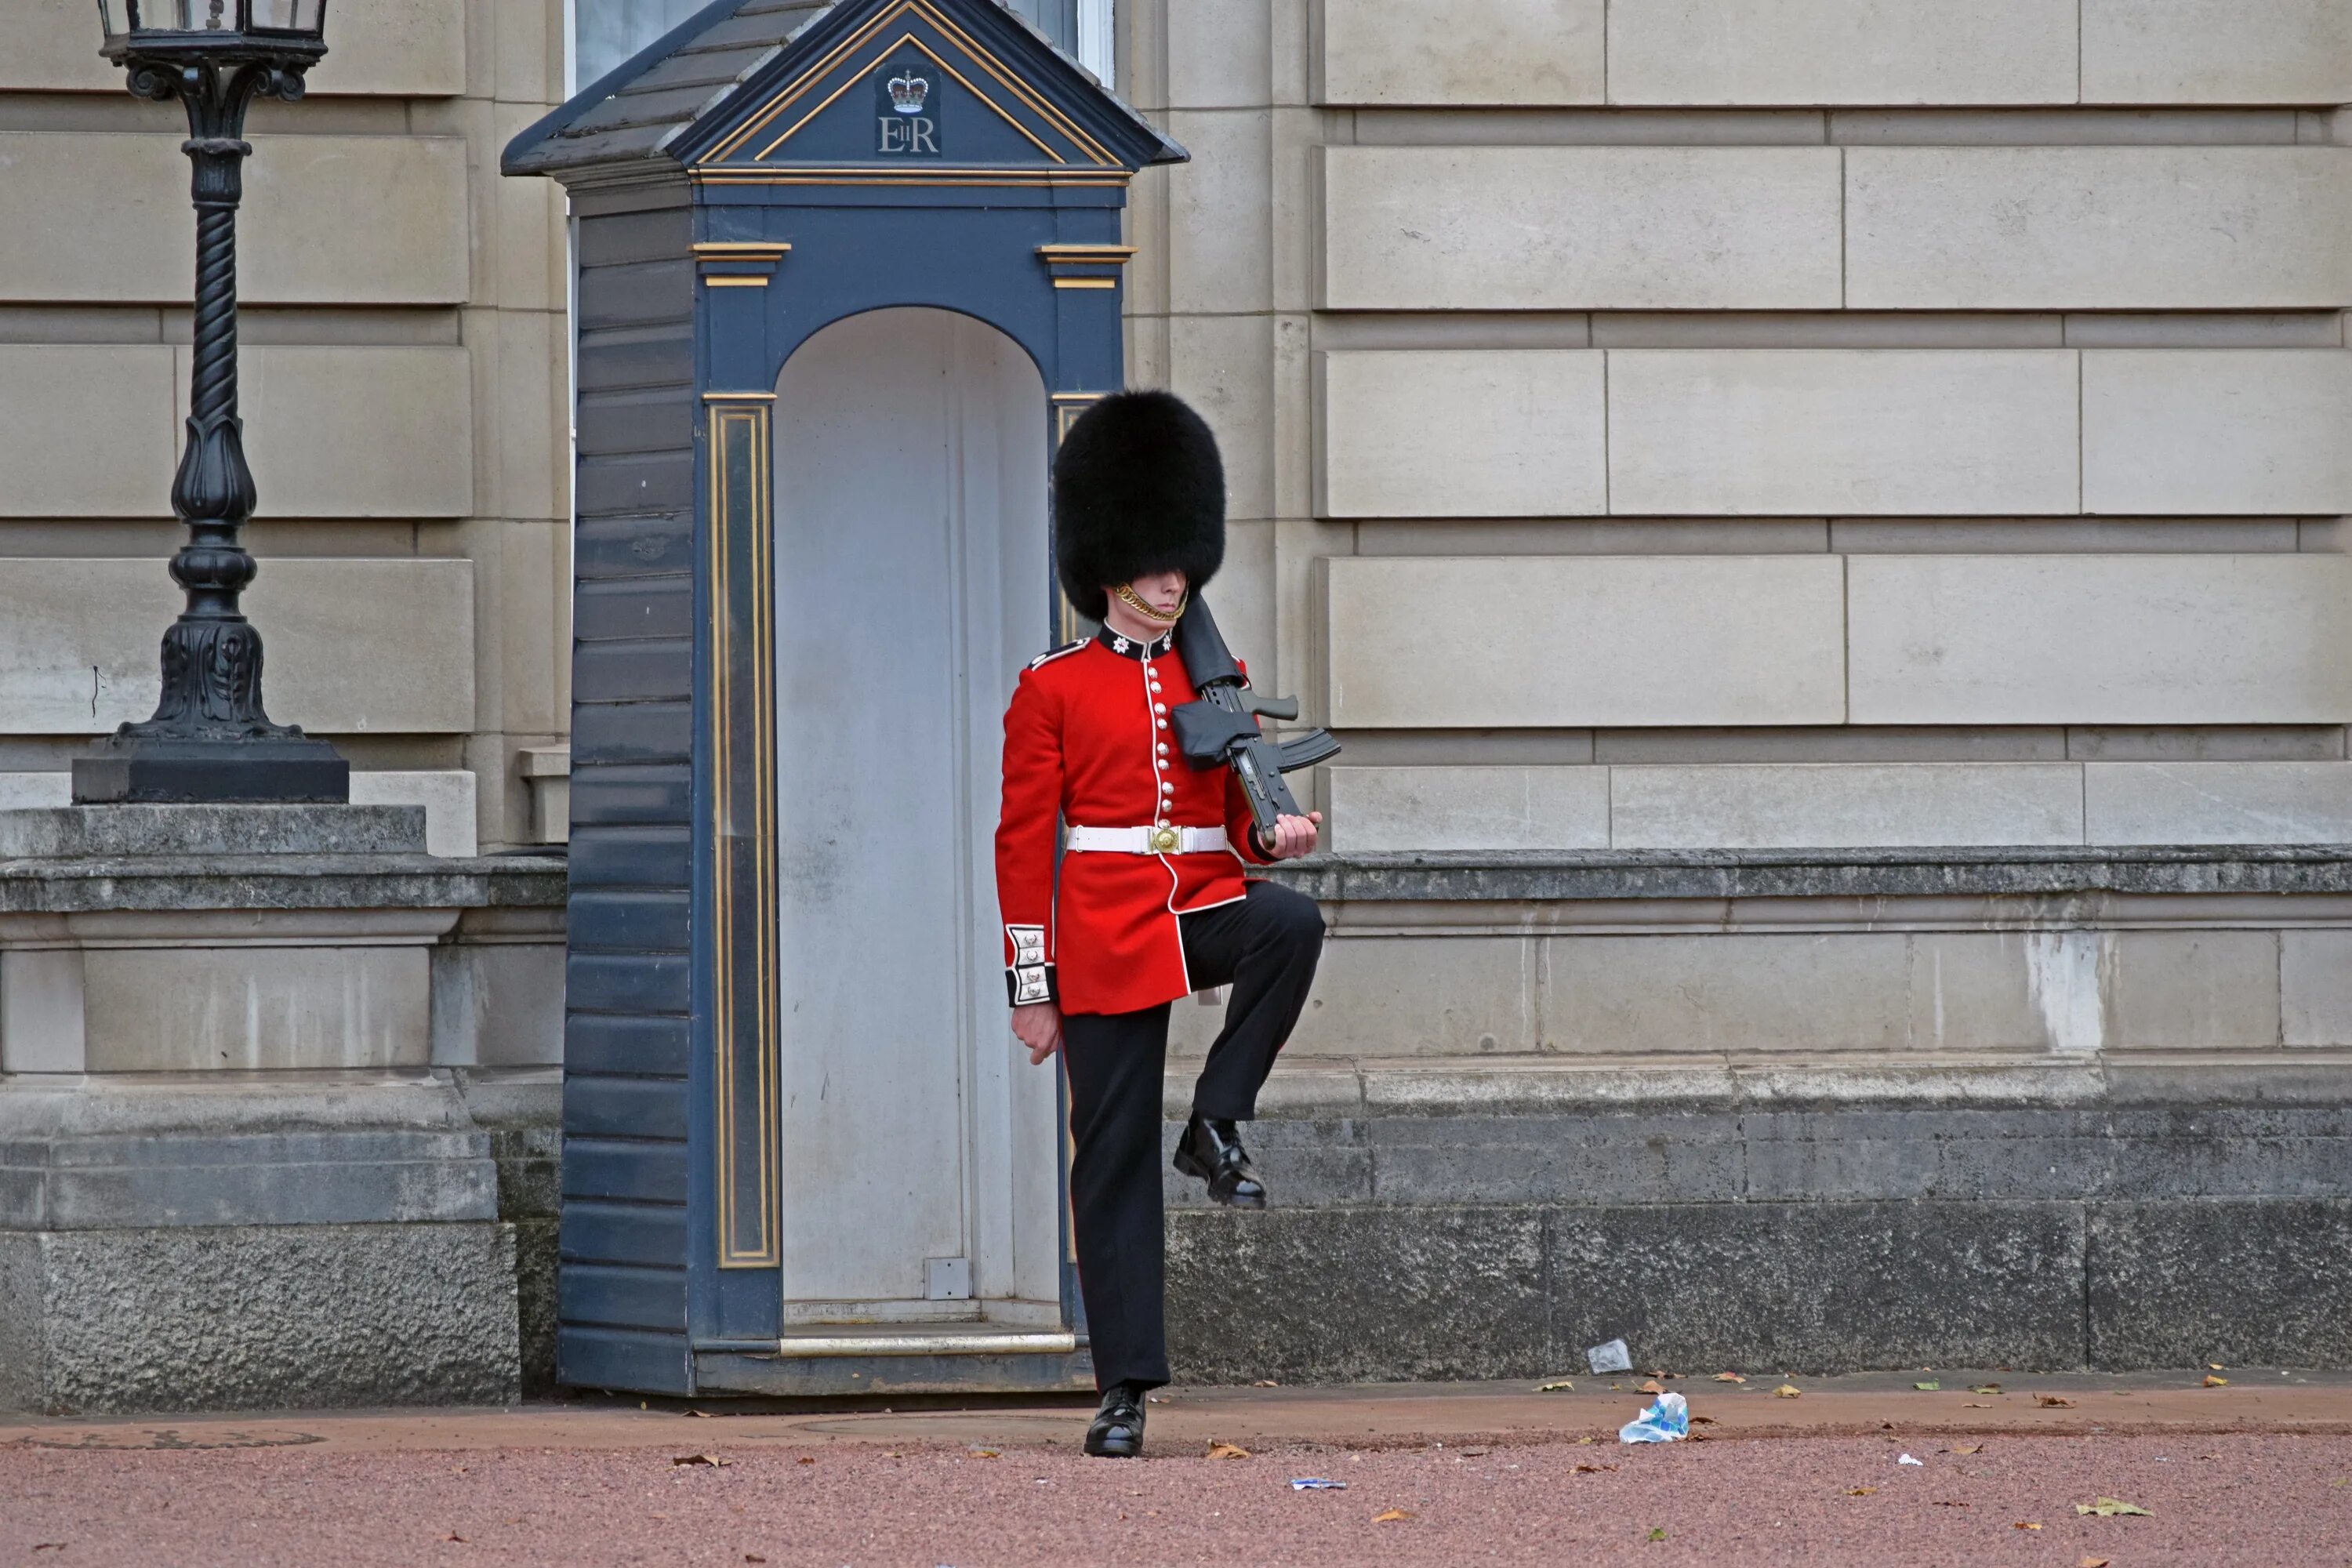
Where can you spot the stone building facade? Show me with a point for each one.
(1820, 523)
(405, 388)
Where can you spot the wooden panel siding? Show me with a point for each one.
(626, 1083)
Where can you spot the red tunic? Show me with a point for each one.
(1086, 742)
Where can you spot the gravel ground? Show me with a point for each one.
(2270, 1498)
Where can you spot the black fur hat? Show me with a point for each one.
(1138, 488)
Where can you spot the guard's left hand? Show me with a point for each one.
(1295, 836)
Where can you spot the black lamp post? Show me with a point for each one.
(210, 740)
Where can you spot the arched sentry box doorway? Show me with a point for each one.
(845, 273)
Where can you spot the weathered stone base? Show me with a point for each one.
(259, 1316)
(1374, 1295)
(1816, 1239)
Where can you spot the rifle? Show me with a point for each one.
(1220, 728)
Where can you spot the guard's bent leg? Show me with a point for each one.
(1115, 1061)
(1267, 945)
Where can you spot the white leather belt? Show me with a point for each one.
(1148, 840)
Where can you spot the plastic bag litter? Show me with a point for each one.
(1666, 1420)
(1611, 1357)
(1316, 1484)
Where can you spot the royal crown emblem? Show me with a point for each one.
(907, 92)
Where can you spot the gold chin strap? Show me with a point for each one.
(1135, 601)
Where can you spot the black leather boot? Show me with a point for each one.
(1213, 1150)
(1117, 1432)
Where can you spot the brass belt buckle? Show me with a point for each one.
(1163, 839)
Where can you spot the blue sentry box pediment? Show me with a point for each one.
(764, 171)
(936, 89)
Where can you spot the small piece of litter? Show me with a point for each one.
(2053, 1402)
(1228, 1451)
(1787, 1391)
(1967, 1449)
(1392, 1516)
(1316, 1484)
(984, 1454)
(1984, 1388)
(699, 1459)
(1927, 1387)
(2025, 1524)
(1266, 1383)
(1728, 1377)
(1974, 1404)
(2215, 1366)
(1859, 1491)
(2213, 1381)
(1666, 1420)
(1611, 1357)
(1557, 1385)
(1908, 1459)
(2111, 1507)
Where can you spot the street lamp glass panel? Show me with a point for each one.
(302, 16)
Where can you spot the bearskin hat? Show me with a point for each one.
(1138, 488)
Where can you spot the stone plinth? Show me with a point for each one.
(277, 1094)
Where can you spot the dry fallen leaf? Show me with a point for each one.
(2216, 1366)
(1592, 1469)
(2111, 1507)
(1728, 1377)
(1557, 1385)
(2089, 1561)
(1228, 1451)
(1969, 1449)
(1266, 1383)
(1859, 1491)
(1392, 1516)
(1703, 1421)
(1651, 1385)
(984, 1454)
(808, 1459)
(2053, 1402)
(2025, 1524)
(711, 1459)
(1787, 1391)
(1974, 1404)
(753, 1557)
(1949, 1502)
(2213, 1381)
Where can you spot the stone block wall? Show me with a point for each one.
(404, 386)
(1774, 422)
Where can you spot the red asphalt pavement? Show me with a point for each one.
(2260, 1472)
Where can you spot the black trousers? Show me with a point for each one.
(1265, 946)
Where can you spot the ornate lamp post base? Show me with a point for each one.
(211, 738)
(161, 772)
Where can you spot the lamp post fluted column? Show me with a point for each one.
(210, 738)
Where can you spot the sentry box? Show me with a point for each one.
(845, 272)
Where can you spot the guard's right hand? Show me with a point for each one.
(1038, 1027)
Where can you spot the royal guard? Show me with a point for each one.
(1151, 899)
